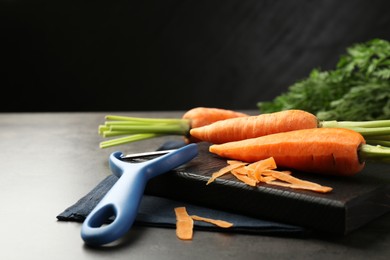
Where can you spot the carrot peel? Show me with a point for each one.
(263, 171)
(225, 170)
(296, 183)
(244, 178)
(184, 224)
(217, 222)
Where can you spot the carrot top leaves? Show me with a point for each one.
(357, 89)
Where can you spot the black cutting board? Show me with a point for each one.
(353, 202)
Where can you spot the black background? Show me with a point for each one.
(117, 55)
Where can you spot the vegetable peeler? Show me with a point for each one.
(122, 201)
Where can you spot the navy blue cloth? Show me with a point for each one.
(158, 211)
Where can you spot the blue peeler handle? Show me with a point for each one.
(123, 199)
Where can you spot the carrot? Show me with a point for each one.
(184, 224)
(254, 126)
(335, 151)
(241, 128)
(136, 129)
(201, 116)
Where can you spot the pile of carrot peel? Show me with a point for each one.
(185, 223)
(264, 171)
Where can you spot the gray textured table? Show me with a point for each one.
(49, 160)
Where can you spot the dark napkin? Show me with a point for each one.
(159, 212)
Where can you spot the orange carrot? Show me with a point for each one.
(320, 150)
(135, 129)
(254, 126)
(235, 129)
(202, 116)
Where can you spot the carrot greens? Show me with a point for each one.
(357, 89)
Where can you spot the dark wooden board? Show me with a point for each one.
(353, 202)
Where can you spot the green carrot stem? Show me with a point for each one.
(135, 125)
(148, 120)
(138, 128)
(102, 129)
(116, 133)
(367, 129)
(110, 123)
(379, 142)
(379, 137)
(371, 131)
(127, 139)
(161, 129)
(347, 124)
(374, 152)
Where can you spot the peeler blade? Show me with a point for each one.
(146, 154)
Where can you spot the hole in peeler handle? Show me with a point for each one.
(103, 216)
